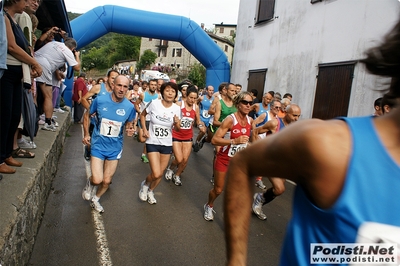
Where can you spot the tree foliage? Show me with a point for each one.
(198, 75)
(148, 57)
(105, 51)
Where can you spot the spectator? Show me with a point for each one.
(80, 89)
(378, 107)
(11, 86)
(52, 56)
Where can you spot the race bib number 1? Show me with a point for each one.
(235, 148)
(206, 114)
(110, 128)
(160, 131)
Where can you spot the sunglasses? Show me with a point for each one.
(244, 102)
(277, 107)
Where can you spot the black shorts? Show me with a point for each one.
(159, 148)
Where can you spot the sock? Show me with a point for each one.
(95, 198)
(48, 121)
(143, 154)
(268, 196)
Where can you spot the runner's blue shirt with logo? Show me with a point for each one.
(111, 118)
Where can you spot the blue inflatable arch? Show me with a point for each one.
(103, 19)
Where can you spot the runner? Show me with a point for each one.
(113, 112)
(292, 114)
(204, 102)
(164, 114)
(182, 139)
(140, 104)
(233, 135)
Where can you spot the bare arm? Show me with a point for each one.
(18, 52)
(211, 110)
(312, 153)
(93, 91)
(217, 115)
(199, 123)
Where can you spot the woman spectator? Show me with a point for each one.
(11, 85)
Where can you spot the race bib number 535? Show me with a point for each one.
(160, 131)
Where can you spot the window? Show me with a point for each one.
(221, 30)
(232, 33)
(265, 10)
(226, 48)
(177, 52)
(162, 52)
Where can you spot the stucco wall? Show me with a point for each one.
(303, 35)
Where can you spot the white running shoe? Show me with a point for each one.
(143, 191)
(49, 127)
(208, 212)
(59, 110)
(97, 206)
(26, 144)
(257, 206)
(260, 184)
(177, 180)
(150, 197)
(168, 174)
(89, 191)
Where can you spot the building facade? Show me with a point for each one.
(174, 59)
(311, 49)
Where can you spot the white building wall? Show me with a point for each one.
(303, 35)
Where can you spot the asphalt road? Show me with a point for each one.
(132, 232)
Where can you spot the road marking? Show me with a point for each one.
(100, 231)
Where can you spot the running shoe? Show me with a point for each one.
(196, 147)
(168, 174)
(260, 184)
(257, 206)
(143, 191)
(97, 206)
(177, 180)
(150, 197)
(49, 127)
(144, 158)
(208, 212)
(89, 191)
(25, 144)
(54, 122)
(59, 110)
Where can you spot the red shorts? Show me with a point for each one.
(221, 163)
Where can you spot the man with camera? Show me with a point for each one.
(51, 57)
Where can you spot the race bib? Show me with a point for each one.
(235, 148)
(186, 123)
(205, 114)
(160, 132)
(110, 128)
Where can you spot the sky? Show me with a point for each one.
(208, 12)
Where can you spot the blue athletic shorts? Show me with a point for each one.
(159, 148)
(106, 155)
